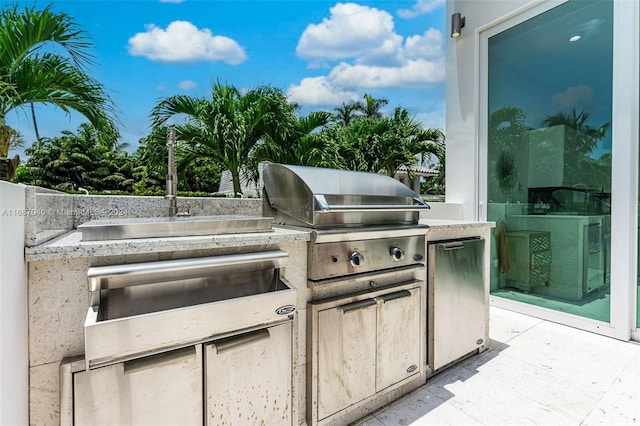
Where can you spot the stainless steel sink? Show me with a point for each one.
(153, 227)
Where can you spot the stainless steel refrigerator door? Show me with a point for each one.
(456, 300)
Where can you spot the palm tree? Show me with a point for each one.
(371, 106)
(383, 144)
(227, 127)
(408, 134)
(76, 159)
(305, 146)
(579, 166)
(586, 136)
(9, 137)
(346, 113)
(29, 73)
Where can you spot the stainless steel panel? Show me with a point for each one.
(115, 276)
(358, 284)
(164, 389)
(143, 299)
(249, 378)
(152, 227)
(335, 259)
(369, 233)
(398, 348)
(324, 198)
(346, 356)
(111, 340)
(317, 180)
(456, 300)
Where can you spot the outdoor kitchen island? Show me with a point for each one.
(59, 297)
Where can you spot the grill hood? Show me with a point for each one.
(328, 198)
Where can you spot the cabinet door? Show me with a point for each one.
(248, 378)
(164, 389)
(398, 345)
(346, 355)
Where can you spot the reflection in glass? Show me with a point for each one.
(549, 159)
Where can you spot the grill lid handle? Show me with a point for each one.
(325, 207)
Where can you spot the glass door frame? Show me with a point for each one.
(625, 156)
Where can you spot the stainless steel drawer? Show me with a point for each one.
(135, 318)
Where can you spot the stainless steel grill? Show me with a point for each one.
(320, 198)
(366, 274)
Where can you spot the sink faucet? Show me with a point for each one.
(172, 174)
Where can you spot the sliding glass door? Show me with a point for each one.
(548, 158)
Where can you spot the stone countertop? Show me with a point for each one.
(70, 245)
(444, 224)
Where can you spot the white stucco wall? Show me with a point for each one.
(462, 97)
(13, 308)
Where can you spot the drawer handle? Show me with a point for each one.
(394, 296)
(158, 360)
(233, 342)
(357, 305)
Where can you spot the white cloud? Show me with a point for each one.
(579, 96)
(187, 85)
(361, 44)
(427, 46)
(184, 42)
(421, 7)
(352, 31)
(172, 1)
(417, 72)
(319, 91)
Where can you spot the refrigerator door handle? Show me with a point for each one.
(454, 245)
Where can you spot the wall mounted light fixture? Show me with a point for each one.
(457, 22)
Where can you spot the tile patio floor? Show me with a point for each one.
(535, 373)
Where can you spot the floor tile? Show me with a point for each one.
(634, 364)
(505, 325)
(424, 408)
(620, 405)
(590, 359)
(554, 391)
(369, 421)
(534, 372)
(492, 403)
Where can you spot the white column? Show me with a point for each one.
(14, 356)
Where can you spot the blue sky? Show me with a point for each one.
(321, 53)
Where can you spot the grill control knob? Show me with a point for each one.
(356, 258)
(397, 253)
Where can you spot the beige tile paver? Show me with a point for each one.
(535, 373)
